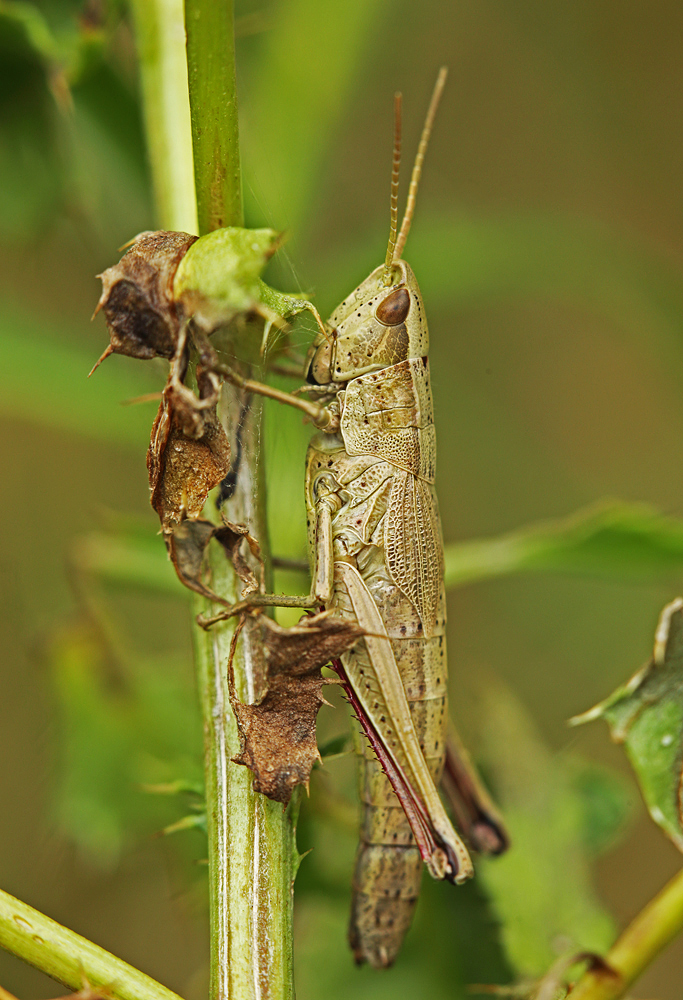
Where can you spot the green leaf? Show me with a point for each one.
(30, 164)
(606, 803)
(138, 560)
(338, 746)
(45, 382)
(540, 889)
(65, 54)
(219, 276)
(646, 715)
(285, 305)
(293, 105)
(223, 268)
(179, 787)
(29, 22)
(194, 821)
(37, 134)
(125, 725)
(611, 538)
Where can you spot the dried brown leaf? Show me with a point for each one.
(278, 734)
(137, 296)
(189, 454)
(187, 543)
(231, 537)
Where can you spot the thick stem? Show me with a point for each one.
(251, 839)
(213, 112)
(651, 931)
(160, 39)
(70, 958)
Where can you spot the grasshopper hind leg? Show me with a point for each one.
(388, 868)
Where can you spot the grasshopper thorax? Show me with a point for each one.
(376, 327)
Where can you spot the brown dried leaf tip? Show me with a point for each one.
(188, 455)
(188, 542)
(137, 296)
(278, 734)
(189, 452)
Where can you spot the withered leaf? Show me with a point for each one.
(231, 537)
(137, 296)
(187, 544)
(189, 454)
(278, 734)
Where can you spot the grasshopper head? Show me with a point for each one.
(377, 326)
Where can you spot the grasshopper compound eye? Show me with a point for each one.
(394, 309)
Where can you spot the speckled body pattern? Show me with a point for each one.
(379, 467)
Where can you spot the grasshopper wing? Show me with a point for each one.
(383, 699)
(412, 541)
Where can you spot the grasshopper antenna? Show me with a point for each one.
(419, 160)
(395, 166)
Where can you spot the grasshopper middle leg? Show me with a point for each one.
(327, 502)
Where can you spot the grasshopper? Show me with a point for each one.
(376, 556)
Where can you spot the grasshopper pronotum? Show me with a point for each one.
(377, 559)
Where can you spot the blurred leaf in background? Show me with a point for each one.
(608, 539)
(549, 250)
(31, 168)
(541, 888)
(123, 727)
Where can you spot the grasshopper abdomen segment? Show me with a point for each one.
(385, 890)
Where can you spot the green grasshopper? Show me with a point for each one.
(376, 556)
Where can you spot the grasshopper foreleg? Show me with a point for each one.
(327, 503)
(325, 418)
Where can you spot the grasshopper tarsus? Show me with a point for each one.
(319, 415)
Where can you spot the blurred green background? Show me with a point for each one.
(549, 246)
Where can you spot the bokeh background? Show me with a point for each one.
(549, 245)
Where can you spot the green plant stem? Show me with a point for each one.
(251, 839)
(68, 957)
(160, 39)
(651, 931)
(213, 113)
(251, 842)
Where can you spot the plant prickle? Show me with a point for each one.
(377, 561)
